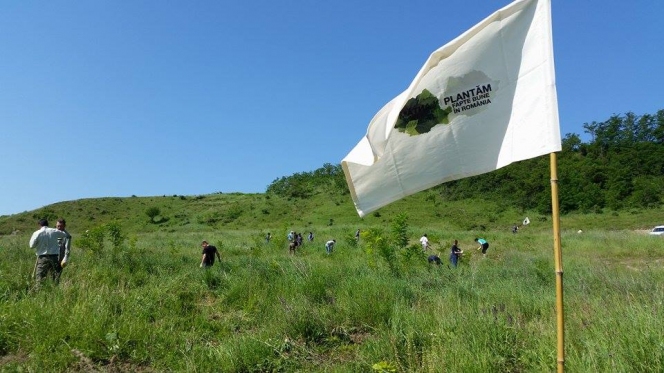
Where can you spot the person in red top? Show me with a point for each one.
(209, 252)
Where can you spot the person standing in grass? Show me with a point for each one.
(484, 246)
(424, 240)
(329, 246)
(455, 253)
(209, 252)
(65, 245)
(46, 243)
(357, 235)
(311, 236)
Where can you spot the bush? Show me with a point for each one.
(152, 212)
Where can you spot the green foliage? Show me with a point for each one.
(349, 240)
(389, 255)
(390, 249)
(412, 252)
(132, 242)
(373, 244)
(152, 213)
(46, 213)
(93, 239)
(621, 167)
(115, 235)
(327, 179)
(400, 230)
(384, 367)
(210, 218)
(233, 213)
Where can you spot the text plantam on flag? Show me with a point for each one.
(480, 102)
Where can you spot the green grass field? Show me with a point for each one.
(143, 304)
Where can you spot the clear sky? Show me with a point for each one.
(151, 98)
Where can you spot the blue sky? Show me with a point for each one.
(151, 98)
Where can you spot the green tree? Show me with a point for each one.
(327, 179)
(152, 212)
(400, 231)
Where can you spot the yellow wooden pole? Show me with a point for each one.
(558, 262)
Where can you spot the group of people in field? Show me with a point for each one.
(52, 248)
(455, 251)
(295, 240)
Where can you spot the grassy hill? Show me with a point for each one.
(143, 304)
(266, 212)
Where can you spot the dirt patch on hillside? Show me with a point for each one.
(13, 359)
(84, 364)
(638, 265)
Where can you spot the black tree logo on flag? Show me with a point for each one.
(421, 114)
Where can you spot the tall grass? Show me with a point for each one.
(147, 306)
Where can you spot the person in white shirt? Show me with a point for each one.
(329, 246)
(46, 243)
(425, 242)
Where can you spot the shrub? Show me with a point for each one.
(152, 212)
(400, 231)
(93, 239)
(115, 235)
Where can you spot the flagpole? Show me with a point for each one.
(558, 262)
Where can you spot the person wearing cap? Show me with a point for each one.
(46, 243)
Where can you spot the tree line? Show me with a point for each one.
(620, 166)
(327, 179)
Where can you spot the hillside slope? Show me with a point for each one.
(267, 212)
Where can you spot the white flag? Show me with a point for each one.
(482, 101)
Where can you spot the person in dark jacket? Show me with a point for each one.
(455, 253)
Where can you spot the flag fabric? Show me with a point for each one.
(480, 102)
